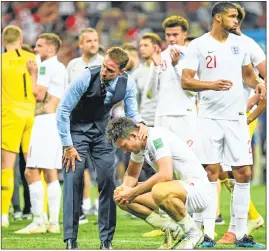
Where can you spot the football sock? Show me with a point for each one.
(156, 221)
(37, 198)
(7, 189)
(198, 219)
(232, 216)
(241, 200)
(209, 214)
(86, 205)
(54, 198)
(187, 223)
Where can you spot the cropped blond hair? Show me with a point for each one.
(86, 30)
(53, 39)
(11, 34)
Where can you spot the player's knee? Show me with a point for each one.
(243, 174)
(28, 174)
(159, 193)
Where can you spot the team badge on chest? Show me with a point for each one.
(235, 50)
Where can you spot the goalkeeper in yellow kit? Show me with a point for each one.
(18, 106)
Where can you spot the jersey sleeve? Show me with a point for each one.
(159, 146)
(44, 75)
(246, 60)
(59, 82)
(191, 60)
(256, 53)
(137, 157)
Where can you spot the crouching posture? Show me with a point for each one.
(189, 191)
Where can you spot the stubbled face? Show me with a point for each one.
(89, 44)
(175, 35)
(42, 47)
(229, 21)
(131, 144)
(146, 48)
(110, 70)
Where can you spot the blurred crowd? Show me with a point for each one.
(116, 22)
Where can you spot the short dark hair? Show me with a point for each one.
(175, 21)
(221, 7)
(118, 55)
(119, 128)
(154, 38)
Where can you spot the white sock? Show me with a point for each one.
(54, 199)
(86, 205)
(187, 224)
(37, 199)
(232, 216)
(4, 217)
(209, 215)
(241, 201)
(198, 219)
(157, 221)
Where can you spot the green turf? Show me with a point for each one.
(128, 232)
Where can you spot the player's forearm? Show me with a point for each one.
(148, 184)
(129, 181)
(153, 82)
(192, 84)
(257, 112)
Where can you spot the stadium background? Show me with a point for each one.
(118, 23)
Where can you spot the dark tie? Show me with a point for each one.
(103, 90)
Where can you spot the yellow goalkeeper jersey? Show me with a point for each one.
(16, 80)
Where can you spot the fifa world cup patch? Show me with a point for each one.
(158, 143)
(42, 70)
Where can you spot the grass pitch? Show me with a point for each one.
(128, 233)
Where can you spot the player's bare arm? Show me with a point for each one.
(165, 173)
(39, 91)
(262, 70)
(257, 112)
(251, 79)
(132, 173)
(190, 83)
(156, 55)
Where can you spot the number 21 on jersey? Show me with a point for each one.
(211, 62)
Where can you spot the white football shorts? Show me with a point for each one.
(223, 141)
(199, 195)
(183, 126)
(45, 149)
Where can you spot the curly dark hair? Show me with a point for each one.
(119, 128)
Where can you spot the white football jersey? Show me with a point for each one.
(53, 75)
(163, 143)
(76, 65)
(214, 61)
(166, 80)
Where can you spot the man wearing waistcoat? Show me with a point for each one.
(82, 117)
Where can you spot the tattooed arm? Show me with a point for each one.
(48, 105)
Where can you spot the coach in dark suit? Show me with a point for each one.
(82, 117)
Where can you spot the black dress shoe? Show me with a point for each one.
(106, 245)
(71, 244)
